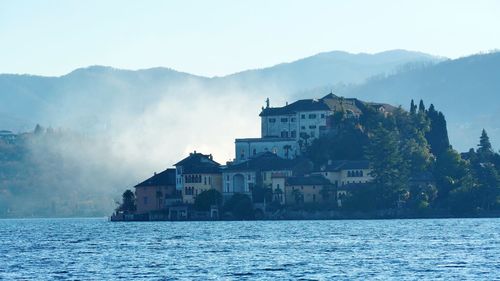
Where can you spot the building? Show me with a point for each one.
(286, 130)
(307, 189)
(286, 148)
(261, 170)
(157, 192)
(197, 173)
(343, 172)
(7, 136)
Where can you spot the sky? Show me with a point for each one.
(216, 38)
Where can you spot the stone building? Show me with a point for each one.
(345, 172)
(307, 189)
(196, 173)
(259, 170)
(157, 192)
(286, 130)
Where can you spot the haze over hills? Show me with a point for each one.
(126, 124)
(467, 90)
(28, 100)
(96, 98)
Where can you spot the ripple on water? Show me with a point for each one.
(94, 249)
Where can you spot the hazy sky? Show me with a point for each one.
(221, 37)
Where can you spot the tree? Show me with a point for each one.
(421, 106)
(128, 202)
(240, 205)
(206, 199)
(485, 152)
(389, 169)
(413, 107)
(437, 137)
(451, 172)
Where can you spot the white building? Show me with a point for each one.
(286, 130)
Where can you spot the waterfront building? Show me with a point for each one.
(261, 170)
(307, 189)
(197, 173)
(157, 192)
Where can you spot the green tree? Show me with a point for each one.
(437, 136)
(451, 172)
(128, 202)
(413, 107)
(240, 206)
(484, 151)
(206, 199)
(389, 169)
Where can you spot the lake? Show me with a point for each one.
(95, 249)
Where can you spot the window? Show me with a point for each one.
(312, 116)
(314, 197)
(312, 127)
(254, 151)
(272, 120)
(277, 186)
(292, 119)
(249, 177)
(322, 116)
(205, 180)
(284, 120)
(302, 116)
(294, 134)
(227, 177)
(302, 127)
(209, 180)
(361, 174)
(284, 134)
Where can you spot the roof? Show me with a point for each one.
(198, 163)
(300, 105)
(265, 161)
(307, 180)
(164, 178)
(329, 102)
(340, 165)
(265, 139)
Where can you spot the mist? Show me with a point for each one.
(97, 148)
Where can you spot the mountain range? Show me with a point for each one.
(467, 90)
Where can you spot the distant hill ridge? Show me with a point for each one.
(466, 89)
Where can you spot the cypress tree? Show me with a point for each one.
(484, 151)
(437, 136)
(421, 106)
(413, 107)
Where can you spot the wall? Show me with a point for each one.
(192, 189)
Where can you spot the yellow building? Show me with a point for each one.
(345, 172)
(307, 189)
(197, 173)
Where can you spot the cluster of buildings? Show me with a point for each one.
(272, 162)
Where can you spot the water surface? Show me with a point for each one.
(95, 249)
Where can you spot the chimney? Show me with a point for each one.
(210, 156)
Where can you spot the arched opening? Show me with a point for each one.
(239, 183)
